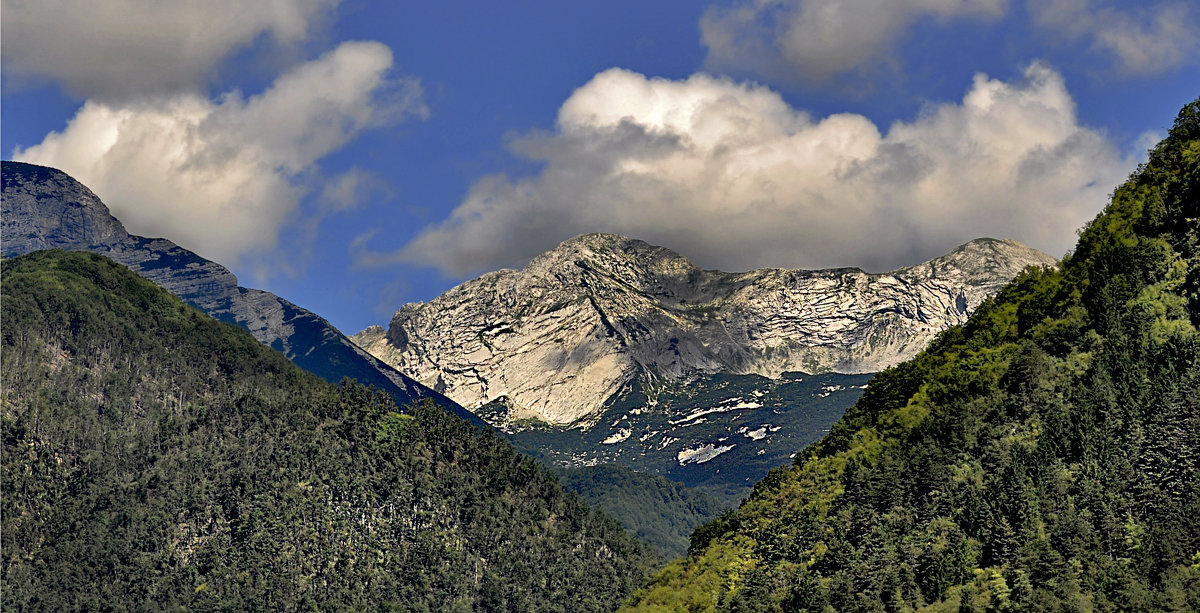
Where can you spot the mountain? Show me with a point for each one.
(608, 350)
(44, 208)
(1042, 456)
(154, 458)
(556, 340)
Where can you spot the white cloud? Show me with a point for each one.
(348, 189)
(1145, 41)
(221, 177)
(817, 39)
(120, 49)
(732, 176)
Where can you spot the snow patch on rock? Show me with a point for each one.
(617, 437)
(701, 454)
(758, 434)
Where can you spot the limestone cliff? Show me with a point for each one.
(560, 337)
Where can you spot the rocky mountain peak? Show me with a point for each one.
(603, 243)
(978, 257)
(630, 261)
(580, 322)
(45, 208)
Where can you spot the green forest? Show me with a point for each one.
(1045, 456)
(659, 512)
(157, 459)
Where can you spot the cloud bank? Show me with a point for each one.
(729, 174)
(1146, 41)
(118, 49)
(817, 39)
(222, 176)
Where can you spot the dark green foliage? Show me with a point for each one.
(1045, 456)
(154, 458)
(659, 512)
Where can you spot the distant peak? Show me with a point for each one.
(605, 244)
(987, 241)
(1005, 246)
(596, 240)
(598, 237)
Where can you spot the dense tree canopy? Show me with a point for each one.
(154, 458)
(658, 512)
(1045, 456)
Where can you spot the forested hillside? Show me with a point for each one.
(44, 208)
(154, 458)
(1045, 456)
(659, 512)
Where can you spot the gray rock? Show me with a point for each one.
(562, 336)
(46, 209)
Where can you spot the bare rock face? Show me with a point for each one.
(44, 208)
(76, 217)
(557, 339)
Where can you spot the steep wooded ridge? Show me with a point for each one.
(157, 459)
(44, 208)
(1043, 456)
(562, 336)
(658, 512)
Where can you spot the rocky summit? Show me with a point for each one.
(44, 208)
(555, 341)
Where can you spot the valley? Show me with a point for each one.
(728, 306)
(198, 467)
(661, 367)
(609, 350)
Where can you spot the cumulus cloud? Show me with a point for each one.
(221, 176)
(117, 49)
(817, 39)
(729, 174)
(1144, 41)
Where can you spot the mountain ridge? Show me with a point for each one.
(576, 325)
(45, 208)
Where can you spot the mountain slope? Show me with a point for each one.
(44, 208)
(1044, 456)
(716, 433)
(658, 512)
(559, 338)
(157, 459)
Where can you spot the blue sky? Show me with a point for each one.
(353, 156)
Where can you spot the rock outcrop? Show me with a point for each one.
(557, 339)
